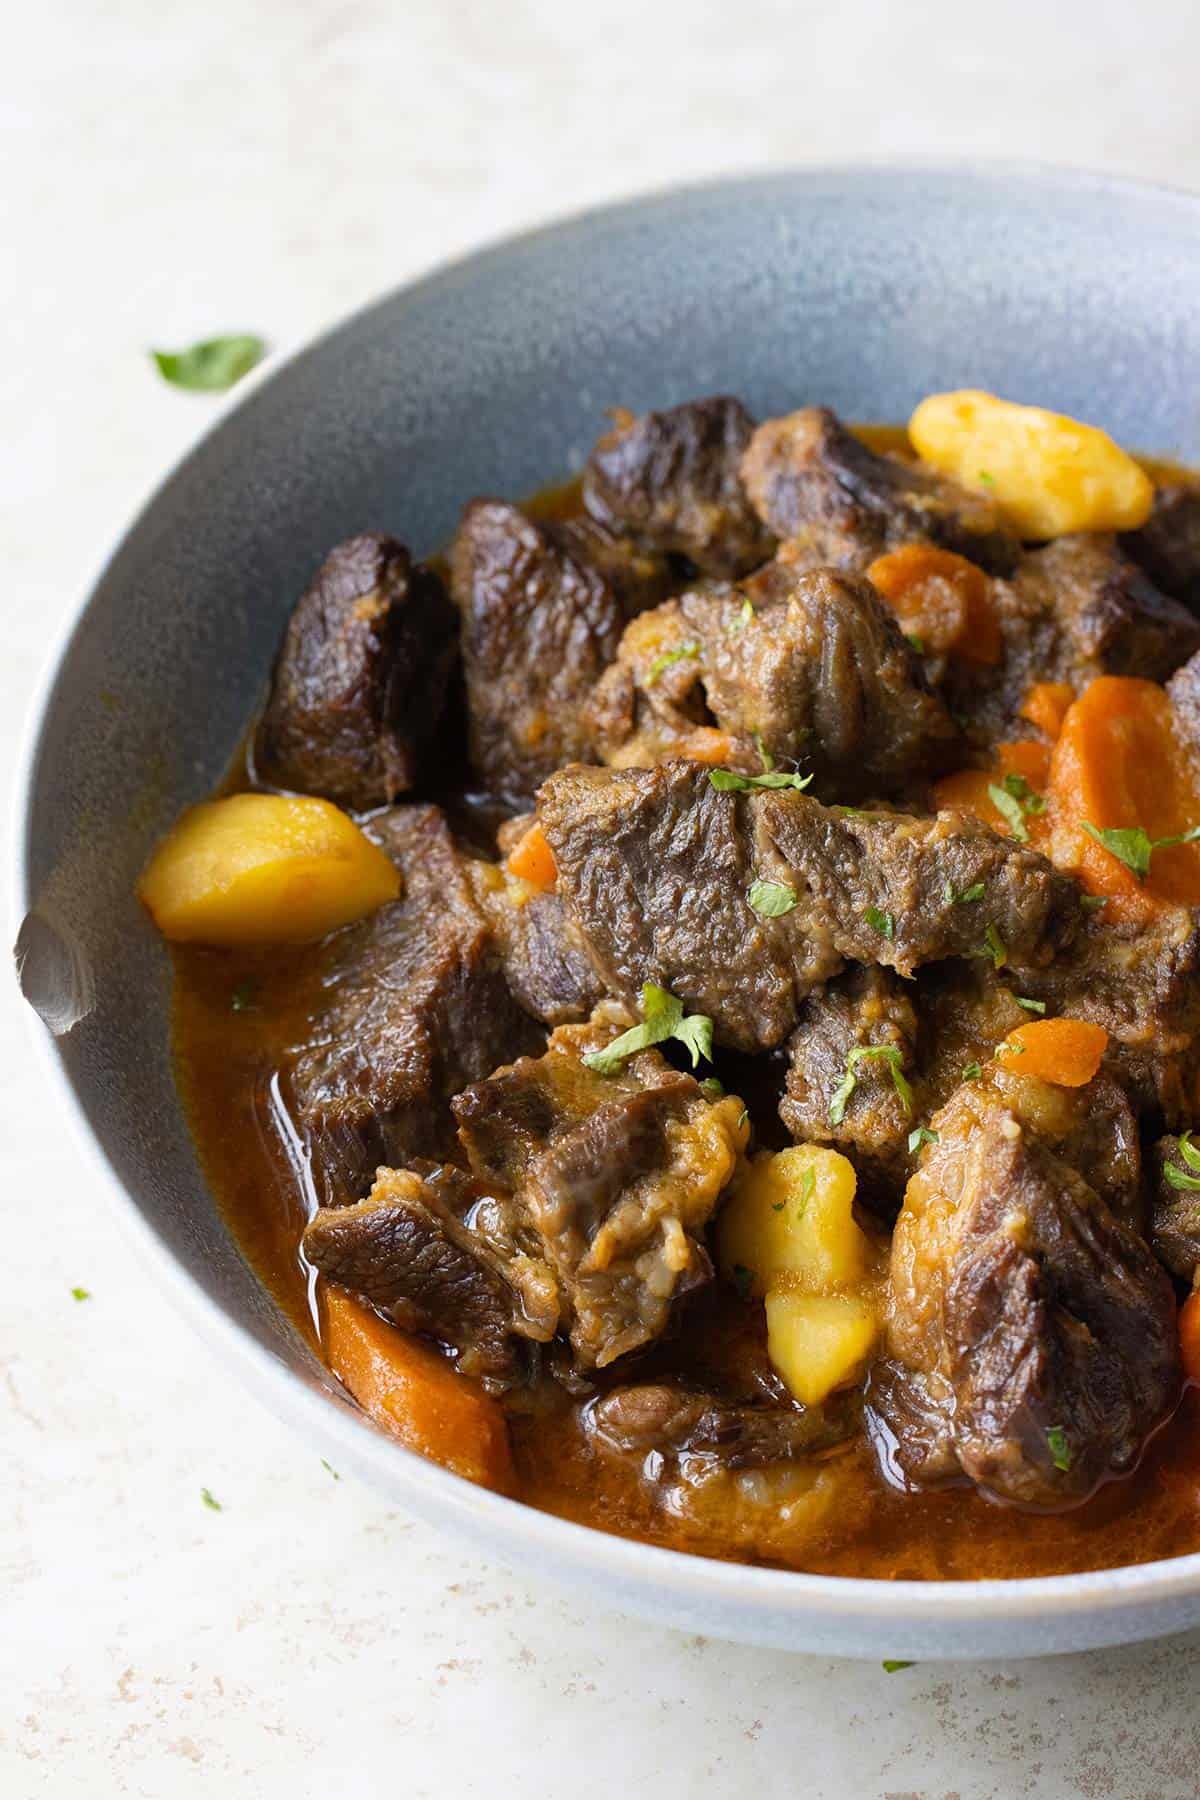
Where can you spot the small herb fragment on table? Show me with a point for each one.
(883, 922)
(920, 1135)
(728, 781)
(207, 1497)
(888, 1053)
(211, 366)
(892, 1663)
(329, 1466)
(771, 899)
(681, 653)
(1060, 1449)
(78, 1293)
(662, 1017)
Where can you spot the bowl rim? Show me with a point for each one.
(512, 1527)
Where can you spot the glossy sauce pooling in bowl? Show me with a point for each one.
(764, 793)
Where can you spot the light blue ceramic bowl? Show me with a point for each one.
(863, 288)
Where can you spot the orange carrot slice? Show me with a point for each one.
(941, 599)
(1189, 1336)
(531, 859)
(1046, 705)
(1065, 1051)
(415, 1394)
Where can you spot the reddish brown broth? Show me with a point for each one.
(233, 1018)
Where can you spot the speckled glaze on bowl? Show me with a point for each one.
(864, 288)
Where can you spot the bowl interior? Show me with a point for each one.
(863, 289)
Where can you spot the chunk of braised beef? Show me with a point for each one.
(360, 681)
(1184, 691)
(1175, 1210)
(672, 479)
(413, 1005)
(673, 1419)
(612, 1180)
(1032, 1340)
(545, 960)
(1168, 544)
(864, 1007)
(811, 481)
(539, 627)
(409, 1252)
(655, 866)
(638, 575)
(806, 668)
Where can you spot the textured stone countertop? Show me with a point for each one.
(171, 170)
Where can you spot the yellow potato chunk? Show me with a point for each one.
(819, 1342)
(791, 1214)
(1047, 473)
(263, 869)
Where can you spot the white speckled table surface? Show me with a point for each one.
(169, 170)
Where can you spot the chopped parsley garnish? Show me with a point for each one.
(207, 1497)
(993, 946)
(888, 1053)
(681, 653)
(915, 642)
(743, 1279)
(1179, 1178)
(808, 1182)
(728, 781)
(743, 1118)
(1033, 1006)
(331, 1469)
(212, 365)
(1060, 1449)
(956, 898)
(1093, 902)
(662, 1018)
(883, 922)
(987, 478)
(972, 1071)
(1013, 798)
(920, 1135)
(745, 614)
(712, 1089)
(1134, 847)
(244, 997)
(1008, 1048)
(778, 1205)
(81, 1294)
(768, 761)
(892, 1663)
(771, 899)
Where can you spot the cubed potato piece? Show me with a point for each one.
(264, 869)
(415, 1394)
(792, 1213)
(1048, 474)
(819, 1342)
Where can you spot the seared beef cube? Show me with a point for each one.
(1032, 1337)
(803, 667)
(655, 866)
(407, 1251)
(539, 627)
(672, 478)
(360, 681)
(545, 960)
(1111, 618)
(1143, 986)
(667, 1419)
(415, 1006)
(862, 1007)
(1175, 1211)
(1184, 692)
(612, 1178)
(1168, 544)
(811, 480)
